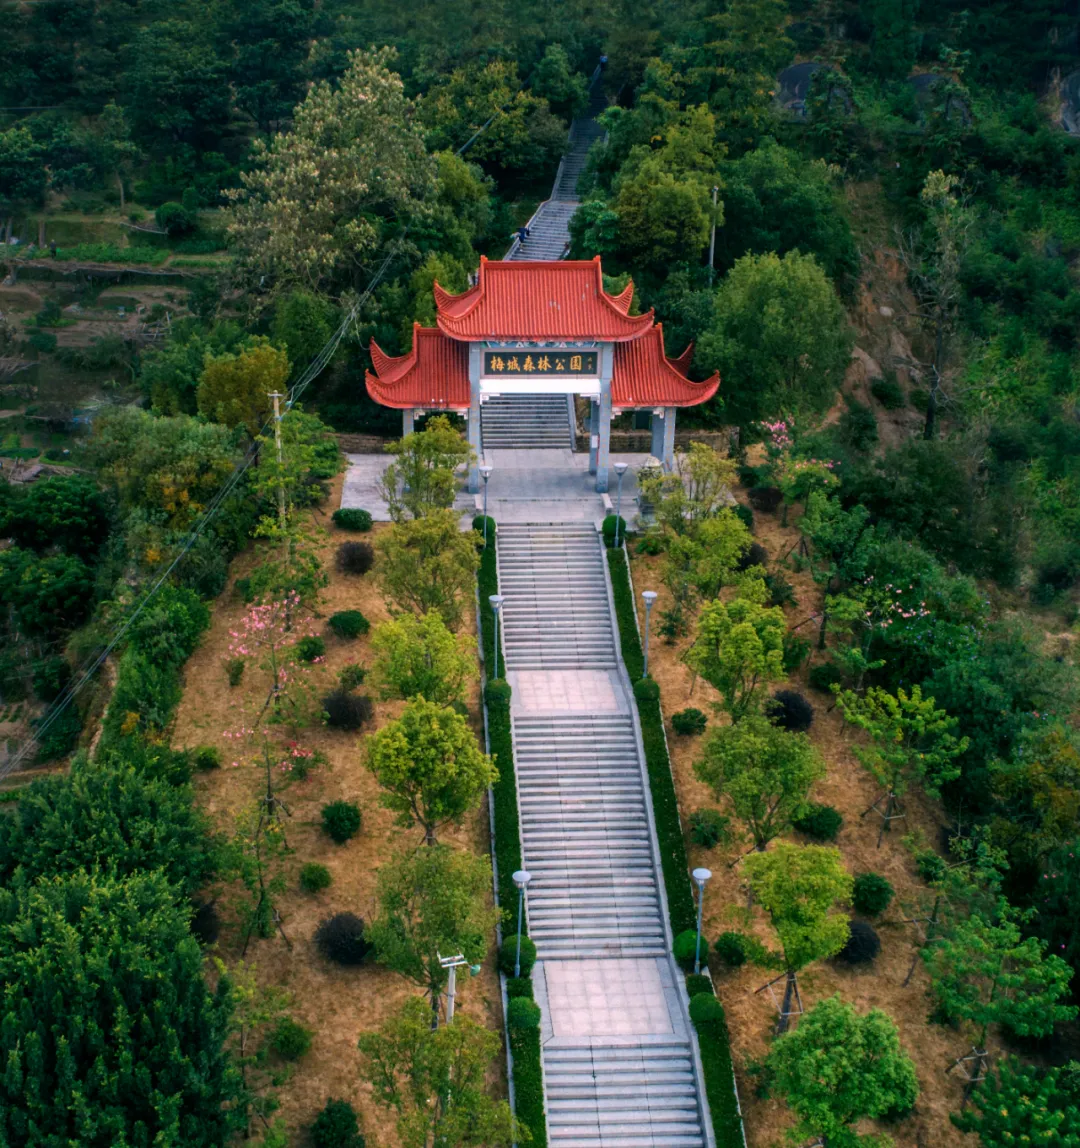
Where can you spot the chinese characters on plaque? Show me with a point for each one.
(540, 363)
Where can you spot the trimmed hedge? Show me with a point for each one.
(662, 785)
(508, 953)
(529, 1083)
(719, 1074)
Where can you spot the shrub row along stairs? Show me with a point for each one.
(527, 422)
(619, 1061)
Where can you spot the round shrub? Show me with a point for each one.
(341, 820)
(732, 948)
(781, 591)
(349, 624)
(862, 945)
(824, 676)
(698, 983)
(683, 949)
(175, 218)
(478, 526)
(765, 498)
(347, 711)
(355, 557)
(749, 476)
(744, 514)
(754, 555)
(708, 827)
(706, 1009)
(646, 690)
(341, 939)
(821, 822)
(349, 518)
(608, 529)
(350, 676)
(871, 894)
(315, 877)
(523, 1013)
(290, 1039)
(206, 757)
(497, 694)
(889, 393)
(337, 1127)
(931, 865)
(689, 722)
(519, 987)
(310, 647)
(508, 954)
(791, 711)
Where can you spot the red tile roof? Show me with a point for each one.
(434, 374)
(549, 301)
(643, 376)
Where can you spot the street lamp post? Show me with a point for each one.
(521, 880)
(496, 601)
(700, 877)
(649, 597)
(485, 474)
(620, 470)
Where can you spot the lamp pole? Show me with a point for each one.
(496, 601)
(521, 879)
(712, 236)
(649, 597)
(485, 474)
(700, 877)
(620, 470)
(451, 964)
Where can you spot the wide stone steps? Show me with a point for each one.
(523, 422)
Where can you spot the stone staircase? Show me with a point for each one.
(526, 422)
(549, 232)
(584, 132)
(635, 1092)
(556, 614)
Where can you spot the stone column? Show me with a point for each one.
(603, 411)
(594, 432)
(475, 363)
(663, 437)
(408, 418)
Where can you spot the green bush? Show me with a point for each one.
(523, 1013)
(732, 949)
(175, 218)
(50, 675)
(689, 722)
(684, 948)
(646, 690)
(350, 676)
(529, 1083)
(206, 757)
(355, 557)
(889, 393)
(931, 865)
(349, 624)
(709, 827)
(290, 1039)
(858, 425)
(651, 543)
(44, 341)
(349, 518)
(717, 1069)
(234, 670)
(698, 983)
(497, 694)
(519, 987)
(347, 711)
(871, 894)
(704, 1008)
(608, 529)
(244, 588)
(310, 647)
(478, 526)
(744, 514)
(821, 822)
(824, 676)
(337, 1126)
(341, 820)
(314, 877)
(341, 939)
(508, 954)
(796, 651)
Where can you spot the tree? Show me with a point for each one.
(432, 901)
(303, 324)
(419, 657)
(893, 39)
(739, 647)
(107, 818)
(436, 1080)
(842, 541)
(838, 1067)
(234, 388)
(323, 198)
(553, 80)
(110, 1033)
(68, 511)
(912, 741)
(779, 337)
(424, 474)
(798, 886)
(23, 177)
(430, 766)
(428, 564)
(49, 594)
(765, 772)
(1025, 1104)
(694, 492)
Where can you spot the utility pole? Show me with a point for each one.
(276, 397)
(451, 964)
(712, 236)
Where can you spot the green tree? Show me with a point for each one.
(799, 886)
(841, 542)
(110, 1034)
(170, 374)
(233, 389)
(323, 198)
(255, 857)
(107, 818)
(68, 511)
(436, 1080)
(838, 1067)
(419, 657)
(739, 648)
(425, 472)
(430, 766)
(694, 492)
(432, 901)
(765, 772)
(554, 80)
(303, 324)
(23, 177)
(779, 337)
(1024, 1104)
(428, 564)
(893, 37)
(50, 594)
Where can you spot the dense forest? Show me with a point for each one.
(203, 203)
